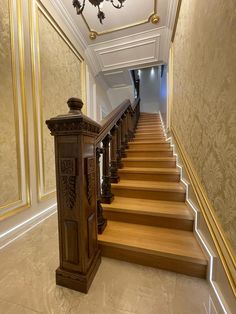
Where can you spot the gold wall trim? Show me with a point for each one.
(112, 30)
(18, 205)
(176, 20)
(222, 244)
(34, 6)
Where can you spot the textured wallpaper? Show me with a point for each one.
(60, 80)
(204, 104)
(9, 187)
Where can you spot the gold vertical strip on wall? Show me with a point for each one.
(18, 205)
(23, 99)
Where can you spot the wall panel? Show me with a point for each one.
(204, 111)
(58, 75)
(14, 178)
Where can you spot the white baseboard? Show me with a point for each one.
(13, 233)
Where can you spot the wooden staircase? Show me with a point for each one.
(149, 222)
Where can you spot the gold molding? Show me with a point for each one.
(93, 33)
(176, 20)
(36, 86)
(223, 247)
(18, 205)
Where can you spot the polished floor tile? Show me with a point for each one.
(27, 283)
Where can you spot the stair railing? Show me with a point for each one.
(79, 143)
(117, 129)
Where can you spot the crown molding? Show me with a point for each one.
(64, 14)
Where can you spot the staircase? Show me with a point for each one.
(149, 222)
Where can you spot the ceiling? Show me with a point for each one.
(133, 12)
(127, 38)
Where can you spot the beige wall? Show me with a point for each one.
(41, 66)
(204, 100)
(60, 79)
(9, 174)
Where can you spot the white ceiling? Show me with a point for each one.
(142, 45)
(133, 12)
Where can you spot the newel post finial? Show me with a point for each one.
(75, 105)
(76, 180)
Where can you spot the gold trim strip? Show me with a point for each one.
(21, 206)
(176, 20)
(222, 245)
(112, 30)
(23, 97)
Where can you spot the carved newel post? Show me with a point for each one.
(75, 155)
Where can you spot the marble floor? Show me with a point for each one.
(27, 283)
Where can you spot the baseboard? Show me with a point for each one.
(13, 233)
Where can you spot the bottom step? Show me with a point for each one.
(173, 250)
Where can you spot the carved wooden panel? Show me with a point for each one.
(90, 174)
(67, 172)
(71, 248)
(92, 235)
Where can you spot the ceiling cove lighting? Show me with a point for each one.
(80, 4)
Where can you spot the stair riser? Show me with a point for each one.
(140, 133)
(150, 177)
(153, 260)
(148, 120)
(147, 194)
(149, 220)
(150, 135)
(149, 154)
(146, 146)
(147, 138)
(149, 125)
(149, 129)
(149, 164)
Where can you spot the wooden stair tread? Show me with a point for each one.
(159, 241)
(152, 207)
(148, 142)
(158, 149)
(149, 185)
(150, 170)
(165, 158)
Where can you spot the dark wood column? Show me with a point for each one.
(118, 152)
(76, 177)
(113, 165)
(123, 135)
(102, 222)
(107, 196)
(126, 130)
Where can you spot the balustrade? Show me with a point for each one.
(79, 143)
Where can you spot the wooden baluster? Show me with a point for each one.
(131, 124)
(126, 130)
(113, 165)
(137, 86)
(130, 132)
(102, 222)
(123, 131)
(107, 196)
(118, 152)
(80, 257)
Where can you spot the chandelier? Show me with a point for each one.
(79, 6)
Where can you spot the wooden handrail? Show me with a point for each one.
(111, 119)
